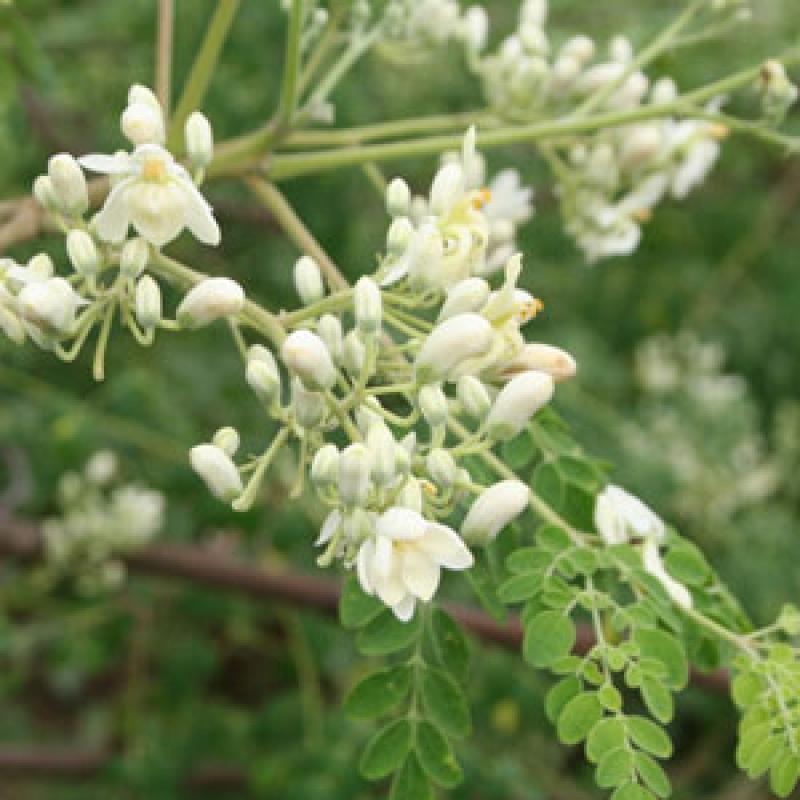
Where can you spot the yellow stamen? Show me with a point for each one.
(482, 197)
(529, 309)
(154, 169)
(643, 215)
(429, 488)
(720, 132)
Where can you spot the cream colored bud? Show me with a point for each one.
(441, 468)
(382, 449)
(411, 495)
(51, 305)
(218, 471)
(354, 472)
(433, 404)
(402, 460)
(473, 396)
(308, 281)
(556, 362)
(367, 416)
(306, 356)
(517, 402)
(69, 184)
(581, 48)
(147, 303)
(565, 70)
(621, 50)
(263, 378)
(210, 300)
(325, 466)
(199, 140)
(475, 28)
(399, 235)
(329, 329)
(354, 353)
(134, 257)
(143, 123)
(309, 407)
(640, 145)
(45, 193)
(495, 508)
(447, 188)
(664, 91)
(465, 296)
(450, 343)
(101, 467)
(368, 306)
(41, 267)
(398, 198)
(82, 252)
(227, 439)
(11, 325)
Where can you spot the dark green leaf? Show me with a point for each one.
(663, 647)
(386, 751)
(450, 644)
(356, 609)
(378, 693)
(578, 717)
(549, 636)
(445, 703)
(436, 757)
(411, 783)
(386, 634)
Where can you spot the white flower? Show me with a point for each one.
(509, 200)
(470, 294)
(451, 342)
(355, 464)
(402, 562)
(152, 193)
(142, 121)
(210, 300)
(619, 516)
(51, 305)
(306, 355)
(696, 153)
(495, 508)
(517, 402)
(653, 564)
(218, 471)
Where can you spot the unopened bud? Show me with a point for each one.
(45, 193)
(11, 325)
(199, 140)
(262, 374)
(446, 189)
(309, 407)
(398, 198)
(211, 299)
(382, 450)
(517, 402)
(354, 472)
(433, 404)
(495, 508)
(325, 466)
(41, 267)
(227, 439)
(306, 355)
(411, 495)
(470, 294)
(329, 328)
(69, 184)
(354, 353)
(621, 50)
(147, 303)
(308, 281)
(368, 306)
(475, 28)
(642, 143)
(218, 471)
(142, 121)
(581, 48)
(556, 362)
(473, 396)
(441, 468)
(50, 305)
(133, 257)
(82, 252)
(399, 235)
(451, 342)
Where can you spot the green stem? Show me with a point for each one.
(291, 67)
(166, 22)
(203, 69)
(99, 366)
(246, 499)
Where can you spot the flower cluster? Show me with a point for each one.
(151, 195)
(394, 364)
(98, 525)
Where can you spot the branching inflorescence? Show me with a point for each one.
(418, 409)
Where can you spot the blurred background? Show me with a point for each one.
(688, 383)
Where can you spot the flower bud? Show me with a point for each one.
(451, 342)
(69, 184)
(82, 252)
(306, 355)
(354, 472)
(11, 325)
(467, 295)
(447, 189)
(142, 122)
(382, 449)
(664, 91)
(134, 257)
(41, 267)
(354, 353)
(495, 508)
(556, 362)
(199, 140)
(368, 306)
(441, 467)
(475, 28)
(433, 404)
(329, 328)
(51, 305)
(402, 460)
(101, 467)
(581, 48)
(218, 471)
(399, 235)
(211, 299)
(309, 407)
(621, 50)
(308, 281)
(517, 402)
(641, 143)
(368, 416)
(411, 495)
(398, 198)
(45, 193)
(262, 373)
(227, 439)
(473, 396)
(619, 516)
(147, 303)
(325, 466)
(677, 592)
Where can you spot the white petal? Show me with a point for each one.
(404, 610)
(383, 561)
(401, 524)
(391, 588)
(420, 574)
(446, 547)
(199, 216)
(366, 555)
(114, 218)
(157, 211)
(329, 527)
(107, 165)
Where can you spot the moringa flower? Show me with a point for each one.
(619, 516)
(495, 508)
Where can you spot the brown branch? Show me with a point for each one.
(200, 566)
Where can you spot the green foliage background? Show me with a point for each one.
(183, 676)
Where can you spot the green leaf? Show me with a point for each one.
(519, 588)
(653, 775)
(528, 560)
(784, 774)
(608, 735)
(578, 718)
(450, 644)
(559, 696)
(519, 451)
(658, 700)
(436, 757)
(482, 583)
(579, 472)
(549, 636)
(356, 609)
(746, 688)
(631, 791)
(647, 735)
(764, 755)
(386, 751)
(445, 703)
(687, 564)
(378, 693)
(614, 768)
(663, 647)
(411, 783)
(553, 538)
(386, 634)
(548, 485)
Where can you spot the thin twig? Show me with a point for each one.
(164, 36)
